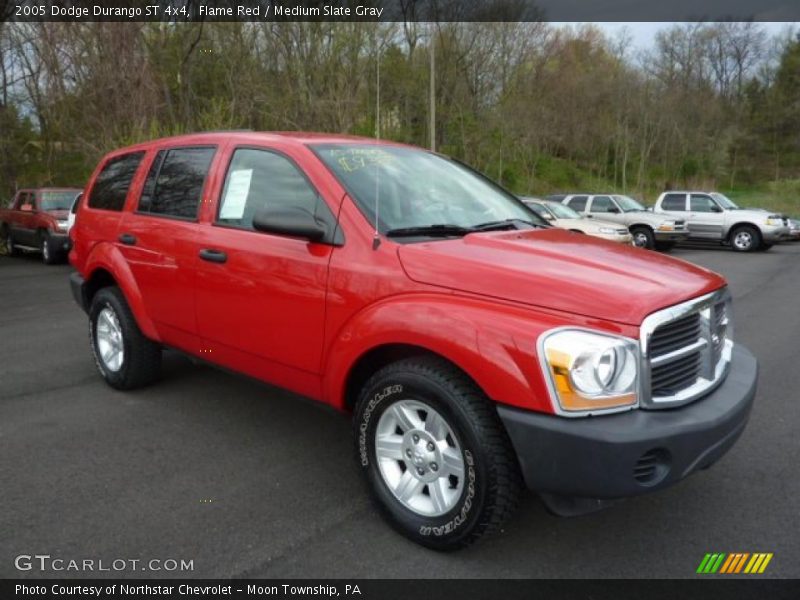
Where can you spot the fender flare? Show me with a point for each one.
(493, 344)
(108, 257)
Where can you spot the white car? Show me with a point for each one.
(564, 217)
(713, 216)
(73, 212)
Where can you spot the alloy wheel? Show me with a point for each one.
(109, 340)
(420, 458)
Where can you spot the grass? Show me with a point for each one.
(779, 196)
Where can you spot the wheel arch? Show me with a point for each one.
(739, 224)
(381, 356)
(106, 266)
(495, 348)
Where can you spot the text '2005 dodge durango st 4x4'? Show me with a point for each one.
(476, 347)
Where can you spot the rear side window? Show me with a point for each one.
(260, 178)
(174, 185)
(111, 186)
(602, 204)
(674, 202)
(577, 203)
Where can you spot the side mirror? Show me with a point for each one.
(26, 207)
(613, 209)
(291, 221)
(716, 209)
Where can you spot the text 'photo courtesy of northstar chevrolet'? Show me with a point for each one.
(478, 350)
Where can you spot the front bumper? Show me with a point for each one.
(626, 238)
(609, 457)
(671, 236)
(775, 234)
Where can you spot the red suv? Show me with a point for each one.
(476, 347)
(36, 219)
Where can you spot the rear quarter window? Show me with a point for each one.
(577, 203)
(111, 186)
(674, 202)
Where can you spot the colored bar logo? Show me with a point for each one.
(736, 562)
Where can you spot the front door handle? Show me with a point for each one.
(127, 239)
(211, 255)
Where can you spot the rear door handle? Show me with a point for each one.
(127, 239)
(211, 255)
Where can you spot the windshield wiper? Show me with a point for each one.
(504, 224)
(439, 229)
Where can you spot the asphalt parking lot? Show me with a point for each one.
(249, 481)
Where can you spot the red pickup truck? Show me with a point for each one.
(36, 219)
(475, 347)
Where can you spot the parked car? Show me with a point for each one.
(36, 219)
(794, 230)
(475, 347)
(713, 216)
(649, 230)
(73, 212)
(564, 217)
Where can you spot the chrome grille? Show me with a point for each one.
(686, 350)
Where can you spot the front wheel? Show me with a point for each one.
(434, 453)
(745, 239)
(49, 256)
(10, 247)
(125, 358)
(643, 237)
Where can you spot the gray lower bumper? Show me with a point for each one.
(611, 456)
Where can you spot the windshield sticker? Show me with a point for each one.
(236, 195)
(353, 159)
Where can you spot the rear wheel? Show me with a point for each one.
(643, 237)
(745, 238)
(436, 457)
(124, 356)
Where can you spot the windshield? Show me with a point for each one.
(628, 204)
(724, 201)
(562, 211)
(410, 188)
(57, 200)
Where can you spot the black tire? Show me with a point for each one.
(643, 237)
(665, 246)
(492, 482)
(8, 247)
(49, 256)
(745, 238)
(141, 363)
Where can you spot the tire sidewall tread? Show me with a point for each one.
(142, 357)
(492, 481)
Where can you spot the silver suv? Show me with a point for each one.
(713, 216)
(648, 229)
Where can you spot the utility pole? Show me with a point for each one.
(432, 110)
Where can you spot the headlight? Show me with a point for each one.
(61, 225)
(774, 220)
(608, 230)
(667, 226)
(590, 372)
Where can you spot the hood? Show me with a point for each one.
(555, 269)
